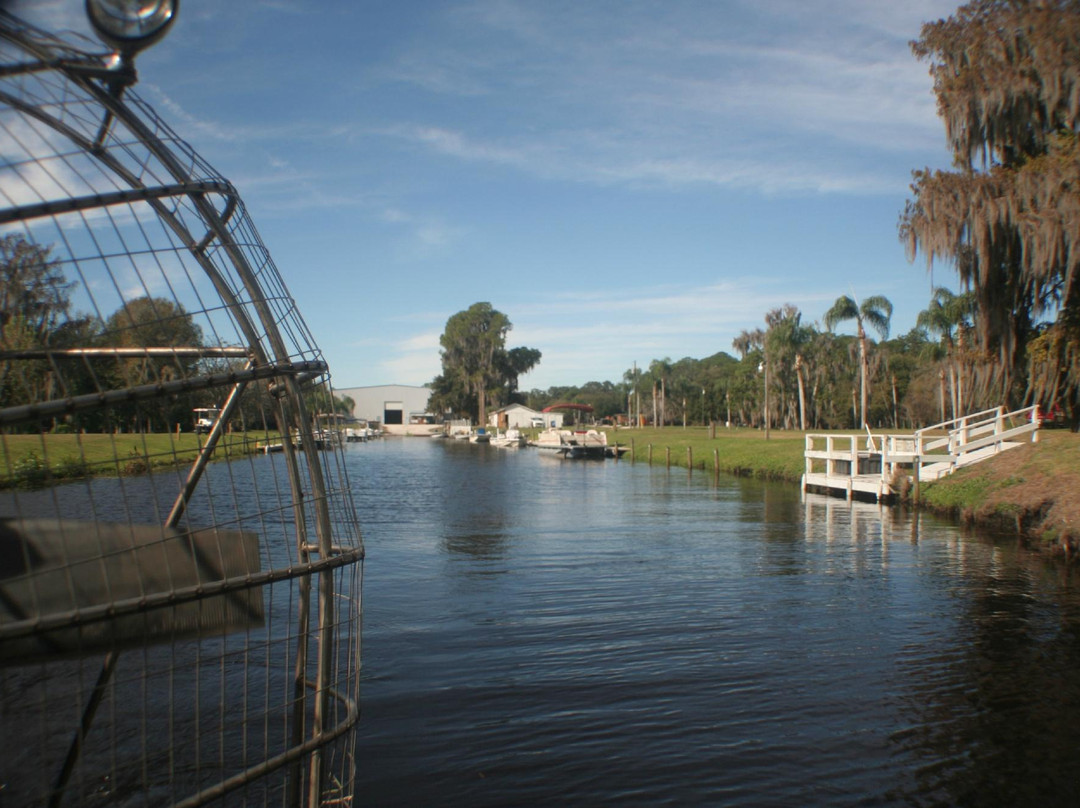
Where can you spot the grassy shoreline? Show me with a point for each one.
(1033, 490)
(35, 461)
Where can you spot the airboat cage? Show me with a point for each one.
(179, 615)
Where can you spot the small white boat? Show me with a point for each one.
(510, 439)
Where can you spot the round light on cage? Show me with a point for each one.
(131, 25)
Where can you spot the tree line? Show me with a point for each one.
(802, 375)
(37, 325)
(1005, 219)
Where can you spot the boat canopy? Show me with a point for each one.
(568, 406)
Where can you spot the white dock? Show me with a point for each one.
(875, 465)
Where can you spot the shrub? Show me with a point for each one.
(30, 471)
(72, 467)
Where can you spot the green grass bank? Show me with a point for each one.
(34, 461)
(1033, 490)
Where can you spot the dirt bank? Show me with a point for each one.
(1033, 490)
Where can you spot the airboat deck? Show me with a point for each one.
(878, 466)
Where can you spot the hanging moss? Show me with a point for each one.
(1007, 79)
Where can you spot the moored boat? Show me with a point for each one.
(576, 444)
(510, 439)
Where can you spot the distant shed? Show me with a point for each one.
(518, 416)
(388, 404)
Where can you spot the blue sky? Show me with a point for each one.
(627, 181)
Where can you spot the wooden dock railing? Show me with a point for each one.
(872, 463)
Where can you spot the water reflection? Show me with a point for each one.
(542, 631)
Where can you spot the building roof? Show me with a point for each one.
(516, 407)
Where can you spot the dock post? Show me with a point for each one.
(650, 454)
(716, 463)
(632, 448)
(667, 457)
(690, 458)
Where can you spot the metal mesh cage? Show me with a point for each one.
(180, 559)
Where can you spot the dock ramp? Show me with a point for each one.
(871, 465)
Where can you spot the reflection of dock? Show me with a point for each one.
(879, 466)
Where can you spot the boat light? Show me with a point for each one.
(131, 25)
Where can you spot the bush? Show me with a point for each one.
(72, 467)
(30, 471)
(137, 463)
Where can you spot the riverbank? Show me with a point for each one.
(34, 461)
(1033, 490)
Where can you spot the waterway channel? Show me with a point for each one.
(541, 632)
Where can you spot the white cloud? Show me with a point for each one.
(596, 334)
(667, 96)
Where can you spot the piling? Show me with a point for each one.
(650, 454)
(915, 487)
(690, 457)
(667, 456)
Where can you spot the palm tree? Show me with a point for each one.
(875, 312)
(747, 342)
(948, 316)
(785, 342)
(660, 370)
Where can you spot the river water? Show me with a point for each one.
(541, 632)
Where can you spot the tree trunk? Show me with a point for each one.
(960, 389)
(895, 406)
(802, 392)
(862, 378)
(941, 396)
(952, 391)
(663, 404)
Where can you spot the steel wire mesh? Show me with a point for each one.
(180, 608)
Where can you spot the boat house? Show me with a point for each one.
(518, 416)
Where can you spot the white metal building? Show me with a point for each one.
(389, 404)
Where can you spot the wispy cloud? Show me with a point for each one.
(666, 96)
(583, 330)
